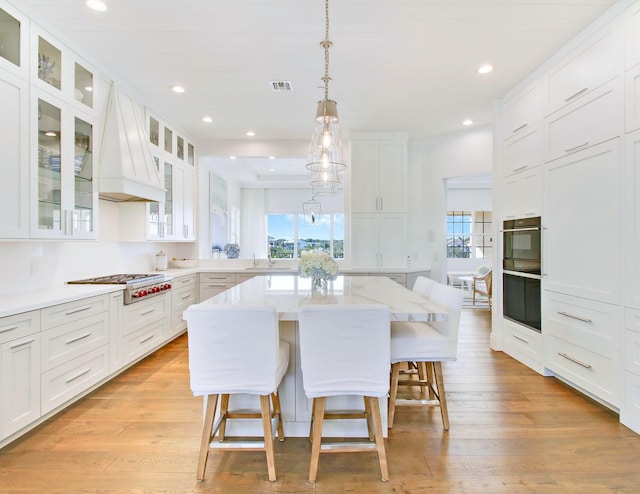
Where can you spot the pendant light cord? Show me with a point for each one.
(326, 44)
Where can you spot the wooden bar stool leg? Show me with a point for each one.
(437, 369)
(377, 426)
(430, 378)
(311, 424)
(224, 409)
(265, 406)
(393, 393)
(318, 419)
(367, 416)
(276, 409)
(207, 427)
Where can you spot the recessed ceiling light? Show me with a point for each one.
(485, 69)
(272, 157)
(467, 122)
(272, 169)
(232, 157)
(207, 119)
(251, 133)
(177, 89)
(97, 5)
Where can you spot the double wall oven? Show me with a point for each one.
(522, 271)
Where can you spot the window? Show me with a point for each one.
(289, 234)
(469, 234)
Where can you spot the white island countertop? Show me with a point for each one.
(290, 293)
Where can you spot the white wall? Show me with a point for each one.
(430, 163)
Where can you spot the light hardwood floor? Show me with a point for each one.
(512, 431)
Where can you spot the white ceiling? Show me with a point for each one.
(397, 65)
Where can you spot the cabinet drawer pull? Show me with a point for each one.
(18, 345)
(583, 319)
(520, 338)
(8, 328)
(75, 311)
(575, 148)
(185, 297)
(214, 285)
(519, 128)
(523, 167)
(147, 312)
(73, 340)
(147, 338)
(79, 374)
(575, 361)
(186, 281)
(575, 95)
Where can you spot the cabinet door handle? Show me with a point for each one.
(519, 128)
(575, 361)
(18, 345)
(8, 328)
(75, 311)
(377, 203)
(575, 148)
(583, 319)
(520, 338)
(79, 374)
(523, 167)
(381, 204)
(575, 95)
(73, 340)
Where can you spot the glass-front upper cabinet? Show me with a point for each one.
(49, 167)
(66, 195)
(83, 90)
(49, 63)
(13, 40)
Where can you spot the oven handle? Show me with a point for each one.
(528, 229)
(523, 275)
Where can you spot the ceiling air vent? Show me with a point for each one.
(281, 86)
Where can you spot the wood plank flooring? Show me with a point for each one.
(512, 431)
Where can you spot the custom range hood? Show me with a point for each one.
(127, 169)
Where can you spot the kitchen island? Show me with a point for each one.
(288, 293)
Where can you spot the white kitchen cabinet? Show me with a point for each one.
(20, 377)
(378, 241)
(589, 120)
(184, 204)
(632, 220)
(630, 407)
(183, 294)
(522, 110)
(63, 187)
(632, 36)
(632, 99)
(145, 324)
(523, 151)
(378, 175)
(116, 331)
(595, 61)
(211, 284)
(14, 156)
(522, 194)
(523, 344)
(582, 220)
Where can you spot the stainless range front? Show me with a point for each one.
(137, 286)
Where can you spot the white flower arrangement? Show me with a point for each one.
(317, 264)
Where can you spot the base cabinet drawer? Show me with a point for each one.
(213, 288)
(181, 300)
(596, 373)
(523, 344)
(632, 351)
(141, 314)
(143, 340)
(68, 380)
(18, 326)
(64, 343)
(73, 311)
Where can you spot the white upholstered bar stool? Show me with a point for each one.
(431, 343)
(236, 350)
(342, 352)
(423, 286)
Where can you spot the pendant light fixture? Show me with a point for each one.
(325, 151)
(312, 210)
